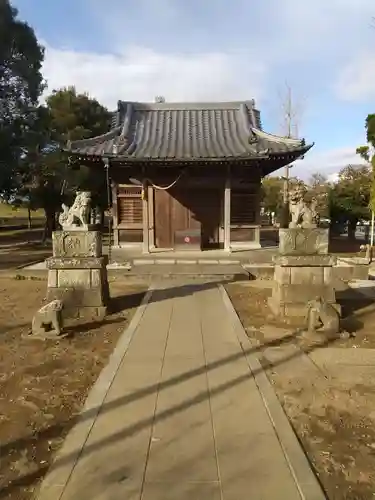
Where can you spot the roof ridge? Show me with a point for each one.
(199, 105)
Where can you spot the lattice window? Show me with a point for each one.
(130, 212)
(243, 209)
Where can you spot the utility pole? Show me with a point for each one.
(288, 119)
(290, 129)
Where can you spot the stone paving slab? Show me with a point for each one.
(184, 417)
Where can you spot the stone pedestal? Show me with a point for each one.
(77, 273)
(303, 271)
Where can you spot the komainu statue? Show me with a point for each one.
(323, 316)
(47, 322)
(369, 251)
(80, 211)
(303, 214)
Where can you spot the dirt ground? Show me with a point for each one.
(358, 316)
(43, 384)
(19, 255)
(331, 406)
(21, 247)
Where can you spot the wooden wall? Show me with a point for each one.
(128, 216)
(244, 212)
(195, 202)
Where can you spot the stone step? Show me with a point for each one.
(168, 261)
(155, 273)
(260, 271)
(152, 271)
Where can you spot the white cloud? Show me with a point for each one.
(287, 31)
(333, 177)
(320, 27)
(141, 74)
(283, 34)
(356, 80)
(326, 162)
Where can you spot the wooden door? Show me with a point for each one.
(162, 215)
(208, 209)
(182, 209)
(183, 215)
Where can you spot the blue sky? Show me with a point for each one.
(220, 50)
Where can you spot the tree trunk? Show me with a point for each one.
(284, 216)
(50, 223)
(352, 225)
(45, 230)
(29, 217)
(367, 234)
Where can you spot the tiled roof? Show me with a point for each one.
(187, 131)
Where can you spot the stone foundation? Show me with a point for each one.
(77, 273)
(303, 271)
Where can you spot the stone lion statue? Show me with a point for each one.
(79, 211)
(47, 322)
(303, 214)
(368, 249)
(322, 315)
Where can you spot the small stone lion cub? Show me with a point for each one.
(47, 322)
(322, 315)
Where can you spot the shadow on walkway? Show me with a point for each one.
(132, 300)
(57, 430)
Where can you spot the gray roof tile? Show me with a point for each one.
(184, 131)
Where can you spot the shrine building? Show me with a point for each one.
(187, 175)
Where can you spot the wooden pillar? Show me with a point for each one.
(115, 214)
(151, 218)
(258, 200)
(227, 192)
(145, 246)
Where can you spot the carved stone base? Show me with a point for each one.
(77, 243)
(284, 307)
(77, 274)
(302, 241)
(303, 271)
(80, 301)
(295, 286)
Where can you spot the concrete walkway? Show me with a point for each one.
(184, 418)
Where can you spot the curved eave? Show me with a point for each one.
(278, 139)
(298, 152)
(285, 157)
(279, 161)
(93, 141)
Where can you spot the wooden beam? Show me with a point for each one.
(151, 217)
(258, 201)
(227, 193)
(115, 213)
(145, 246)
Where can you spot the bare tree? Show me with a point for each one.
(292, 113)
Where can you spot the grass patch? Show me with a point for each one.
(9, 211)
